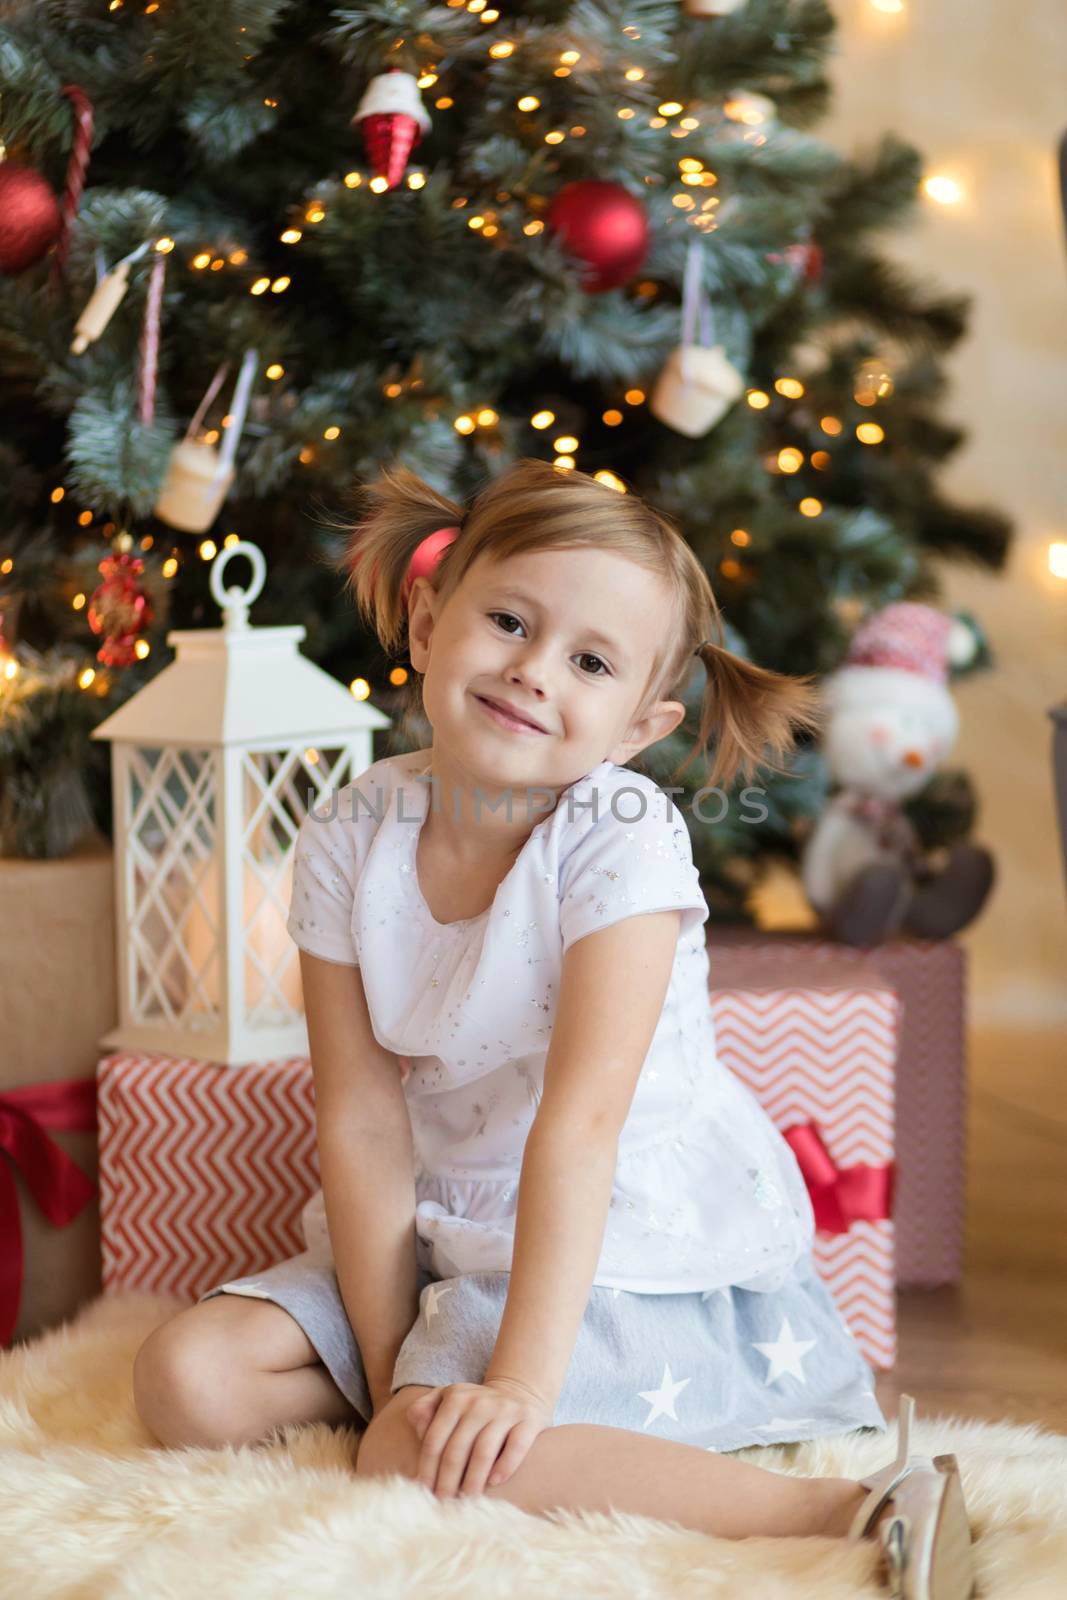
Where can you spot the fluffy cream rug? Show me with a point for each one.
(91, 1510)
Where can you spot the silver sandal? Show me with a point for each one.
(927, 1537)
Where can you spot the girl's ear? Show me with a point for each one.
(422, 608)
(661, 719)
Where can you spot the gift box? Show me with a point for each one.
(56, 999)
(929, 977)
(816, 1042)
(204, 1168)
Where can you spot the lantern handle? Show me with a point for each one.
(234, 602)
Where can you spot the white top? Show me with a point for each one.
(707, 1193)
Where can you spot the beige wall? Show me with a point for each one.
(981, 88)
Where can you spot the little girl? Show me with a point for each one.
(560, 1254)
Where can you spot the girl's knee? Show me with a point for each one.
(183, 1385)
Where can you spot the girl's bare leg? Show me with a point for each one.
(227, 1371)
(588, 1467)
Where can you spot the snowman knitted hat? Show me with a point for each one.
(913, 637)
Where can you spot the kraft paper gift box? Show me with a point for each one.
(57, 996)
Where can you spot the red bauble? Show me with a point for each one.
(605, 226)
(29, 217)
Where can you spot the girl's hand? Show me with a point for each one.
(463, 1427)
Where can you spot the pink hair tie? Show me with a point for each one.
(427, 554)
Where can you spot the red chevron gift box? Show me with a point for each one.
(204, 1169)
(817, 1045)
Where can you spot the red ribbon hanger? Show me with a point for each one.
(840, 1196)
(59, 1186)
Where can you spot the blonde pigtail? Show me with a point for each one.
(750, 710)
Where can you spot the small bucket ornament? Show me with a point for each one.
(698, 383)
(199, 475)
(713, 8)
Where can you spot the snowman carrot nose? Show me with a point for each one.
(912, 758)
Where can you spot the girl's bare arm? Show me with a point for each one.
(366, 1163)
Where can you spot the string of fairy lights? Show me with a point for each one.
(500, 222)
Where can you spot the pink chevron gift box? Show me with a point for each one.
(930, 978)
(204, 1169)
(816, 1042)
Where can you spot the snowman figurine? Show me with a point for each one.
(890, 723)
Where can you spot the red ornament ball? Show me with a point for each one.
(29, 217)
(605, 226)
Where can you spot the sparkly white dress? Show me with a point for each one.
(707, 1192)
(708, 1208)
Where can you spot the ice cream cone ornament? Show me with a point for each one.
(393, 120)
(699, 383)
(199, 475)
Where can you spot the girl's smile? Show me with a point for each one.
(501, 712)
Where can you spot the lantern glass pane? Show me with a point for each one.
(279, 787)
(172, 888)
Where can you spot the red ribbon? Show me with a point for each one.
(840, 1196)
(59, 1186)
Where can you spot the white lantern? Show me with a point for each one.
(214, 765)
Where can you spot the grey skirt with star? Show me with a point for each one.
(721, 1369)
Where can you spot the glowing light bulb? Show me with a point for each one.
(542, 419)
(870, 433)
(758, 400)
(1057, 558)
(943, 189)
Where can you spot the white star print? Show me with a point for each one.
(435, 1292)
(662, 1399)
(784, 1353)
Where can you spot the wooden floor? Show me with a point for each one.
(995, 1347)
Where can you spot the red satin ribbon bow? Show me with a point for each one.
(840, 1196)
(57, 1183)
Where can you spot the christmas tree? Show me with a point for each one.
(329, 237)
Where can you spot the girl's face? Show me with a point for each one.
(565, 637)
